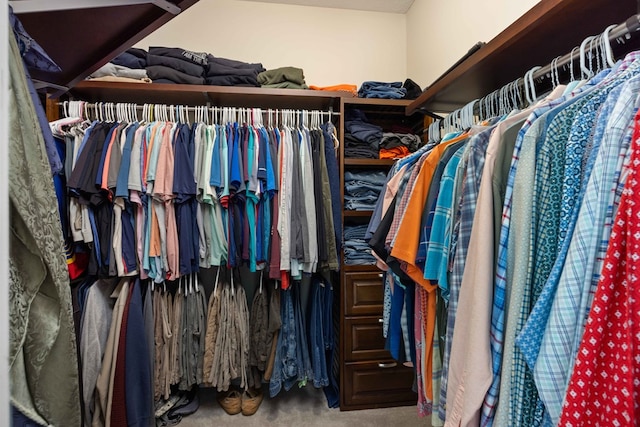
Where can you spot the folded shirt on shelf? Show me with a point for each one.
(177, 64)
(132, 58)
(394, 153)
(374, 89)
(357, 125)
(392, 140)
(247, 81)
(412, 88)
(157, 72)
(353, 147)
(352, 89)
(199, 58)
(111, 69)
(283, 77)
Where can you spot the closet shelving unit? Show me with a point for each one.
(81, 40)
(369, 377)
(548, 30)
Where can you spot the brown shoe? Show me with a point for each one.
(231, 402)
(251, 400)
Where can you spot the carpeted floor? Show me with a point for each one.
(305, 407)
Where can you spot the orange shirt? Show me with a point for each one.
(408, 236)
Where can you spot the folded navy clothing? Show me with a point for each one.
(361, 153)
(156, 72)
(129, 60)
(177, 64)
(199, 58)
(374, 89)
(140, 53)
(165, 81)
(215, 70)
(248, 81)
(412, 88)
(214, 63)
(359, 129)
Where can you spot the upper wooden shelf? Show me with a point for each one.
(550, 29)
(222, 96)
(82, 40)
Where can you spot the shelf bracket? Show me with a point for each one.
(33, 6)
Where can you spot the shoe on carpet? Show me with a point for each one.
(231, 402)
(251, 400)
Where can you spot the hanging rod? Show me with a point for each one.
(629, 27)
(33, 6)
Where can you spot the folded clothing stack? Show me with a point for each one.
(175, 65)
(393, 90)
(362, 189)
(113, 72)
(356, 250)
(362, 139)
(283, 78)
(229, 72)
(398, 145)
(373, 89)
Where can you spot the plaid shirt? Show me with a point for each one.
(583, 262)
(498, 312)
(476, 147)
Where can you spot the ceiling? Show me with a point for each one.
(390, 6)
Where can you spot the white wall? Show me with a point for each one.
(441, 32)
(332, 46)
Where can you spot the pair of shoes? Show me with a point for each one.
(251, 400)
(231, 402)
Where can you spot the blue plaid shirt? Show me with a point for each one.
(582, 265)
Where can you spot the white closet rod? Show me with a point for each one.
(618, 33)
(33, 6)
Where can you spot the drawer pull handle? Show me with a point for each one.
(380, 275)
(380, 320)
(387, 365)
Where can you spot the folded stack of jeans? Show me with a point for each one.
(283, 78)
(356, 249)
(373, 89)
(175, 65)
(229, 72)
(362, 189)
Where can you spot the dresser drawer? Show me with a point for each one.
(377, 384)
(364, 340)
(364, 293)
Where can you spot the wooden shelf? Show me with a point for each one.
(82, 40)
(368, 162)
(357, 214)
(225, 96)
(550, 29)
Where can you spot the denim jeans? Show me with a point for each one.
(371, 177)
(285, 365)
(316, 334)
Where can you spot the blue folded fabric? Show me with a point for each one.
(374, 89)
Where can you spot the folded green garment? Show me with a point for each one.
(281, 75)
(286, 85)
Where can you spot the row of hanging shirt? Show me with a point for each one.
(161, 198)
(497, 244)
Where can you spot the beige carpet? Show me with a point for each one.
(305, 407)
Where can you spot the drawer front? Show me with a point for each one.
(364, 293)
(384, 383)
(364, 340)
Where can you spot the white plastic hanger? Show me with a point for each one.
(587, 73)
